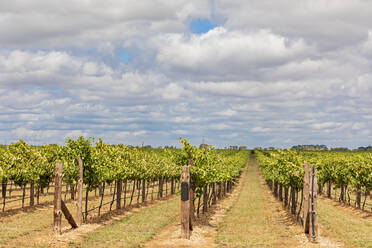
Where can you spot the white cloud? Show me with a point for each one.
(261, 129)
(259, 78)
(219, 126)
(221, 51)
(228, 112)
(85, 23)
(326, 125)
(139, 133)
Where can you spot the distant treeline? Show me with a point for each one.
(325, 148)
(310, 147)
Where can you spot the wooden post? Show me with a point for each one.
(3, 193)
(205, 199)
(294, 202)
(358, 199)
(306, 190)
(172, 186)
(143, 190)
(79, 190)
(313, 206)
(185, 202)
(310, 214)
(119, 186)
(125, 191)
(68, 215)
(57, 199)
(191, 196)
(72, 187)
(23, 195)
(32, 193)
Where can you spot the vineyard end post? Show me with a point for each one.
(191, 196)
(119, 186)
(185, 202)
(314, 205)
(57, 214)
(79, 202)
(310, 214)
(306, 187)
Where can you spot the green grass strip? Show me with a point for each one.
(353, 230)
(134, 229)
(249, 222)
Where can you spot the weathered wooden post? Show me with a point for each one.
(205, 199)
(57, 199)
(3, 193)
(185, 202)
(119, 186)
(79, 202)
(68, 215)
(32, 193)
(143, 190)
(310, 215)
(191, 196)
(306, 187)
(314, 205)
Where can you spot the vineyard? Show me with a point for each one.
(347, 171)
(119, 173)
(116, 178)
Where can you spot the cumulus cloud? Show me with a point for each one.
(259, 78)
(81, 24)
(221, 51)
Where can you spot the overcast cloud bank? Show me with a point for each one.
(275, 73)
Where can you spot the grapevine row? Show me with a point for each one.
(23, 164)
(350, 171)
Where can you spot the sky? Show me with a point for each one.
(255, 73)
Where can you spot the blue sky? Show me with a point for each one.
(201, 26)
(235, 73)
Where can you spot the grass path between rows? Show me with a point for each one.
(257, 219)
(353, 226)
(204, 228)
(17, 226)
(20, 229)
(254, 220)
(34, 227)
(135, 229)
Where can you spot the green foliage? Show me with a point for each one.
(341, 168)
(210, 165)
(105, 163)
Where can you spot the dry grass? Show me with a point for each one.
(204, 228)
(23, 224)
(46, 199)
(135, 229)
(254, 221)
(353, 226)
(257, 219)
(34, 226)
